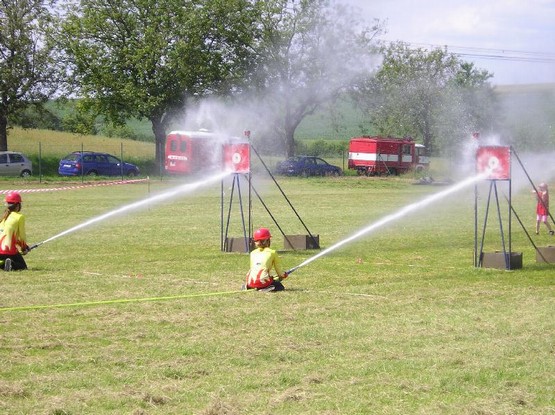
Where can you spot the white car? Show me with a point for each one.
(15, 164)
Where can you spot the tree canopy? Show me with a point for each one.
(150, 59)
(309, 52)
(146, 58)
(29, 69)
(431, 95)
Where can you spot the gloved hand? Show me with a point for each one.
(285, 275)
(25, 250)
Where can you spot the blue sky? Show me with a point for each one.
(513, 39)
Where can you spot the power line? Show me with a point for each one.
(492, 54)
(508, 58)
(503, 54)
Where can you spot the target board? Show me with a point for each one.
(237, 157)
(494, 162)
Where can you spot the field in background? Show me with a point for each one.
(51, 146)
(527, 116)
(143, 314)
(525, 110)
(58, 144)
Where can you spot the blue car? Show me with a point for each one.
(89, 163)
(307, 166)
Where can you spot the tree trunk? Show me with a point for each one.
(3, 132)
(289, 142)
(159, 130)
(289, 127)
(428, 138)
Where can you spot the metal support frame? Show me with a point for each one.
(507, 247)
(493, 179)
(246, 226)
(493, 188)
(312, 238)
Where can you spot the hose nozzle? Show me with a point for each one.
(291, 270)
(30, 248)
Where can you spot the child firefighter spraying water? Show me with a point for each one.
(12, 235)
(262, 261)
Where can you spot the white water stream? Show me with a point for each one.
(394, 216)
(172, 193)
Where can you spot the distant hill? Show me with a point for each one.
(526, 111)
(528, 115)
(532, 106)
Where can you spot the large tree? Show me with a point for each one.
(28, 61)
(146, 58)
(431, 95)
(309, 53)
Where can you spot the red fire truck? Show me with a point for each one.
(199, 151)
(377, 155)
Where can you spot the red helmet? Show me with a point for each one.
(13, 197)
(261, 234)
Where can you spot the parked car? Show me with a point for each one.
(15, 164)
(89, 163)
(307, 166)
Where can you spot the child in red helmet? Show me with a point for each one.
(262, 261)
(12, 234)
(542, 208)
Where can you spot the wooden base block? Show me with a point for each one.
(497, 260)
(546, 254)
(238, 245)
(301, 242)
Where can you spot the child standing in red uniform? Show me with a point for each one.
(542, 208)
(262, 261)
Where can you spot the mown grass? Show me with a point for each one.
(397, 322)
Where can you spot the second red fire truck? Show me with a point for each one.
(372, 156)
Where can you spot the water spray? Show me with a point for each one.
(185, 188)
(397, 215)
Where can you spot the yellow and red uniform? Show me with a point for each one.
(262, 261)
(12, 234)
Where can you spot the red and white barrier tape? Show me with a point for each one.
(82, 186)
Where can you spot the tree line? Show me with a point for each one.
(265, 64)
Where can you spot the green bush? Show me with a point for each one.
(321, 148)
(37, 117)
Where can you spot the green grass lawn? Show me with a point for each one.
(142, 313)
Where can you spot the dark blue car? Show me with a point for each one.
(307, 166)
(89, 163)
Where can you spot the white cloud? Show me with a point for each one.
(502, 25)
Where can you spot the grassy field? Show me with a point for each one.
(142, 313)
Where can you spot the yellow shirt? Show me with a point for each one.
(262, 261)
(12, 234)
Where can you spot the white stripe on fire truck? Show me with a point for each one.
(374, 157)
